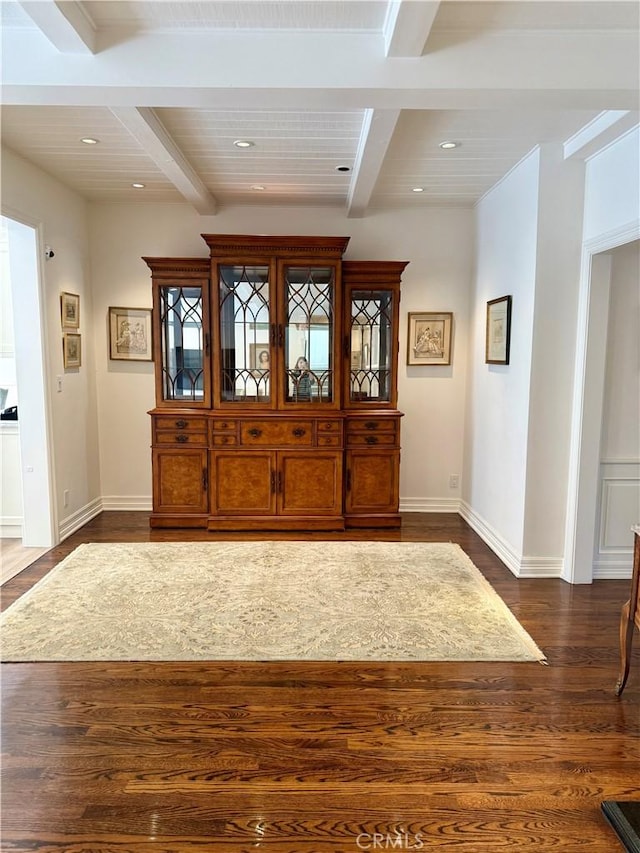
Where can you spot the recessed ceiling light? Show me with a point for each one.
(243, 143)
(447, 145)
(258, 187)
(89, 140)
(418, 190)
(138, 186)
(343, 168)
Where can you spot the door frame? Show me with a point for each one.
(588, 401)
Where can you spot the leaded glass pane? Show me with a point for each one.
(309, 368)
(370, 370)
(182, 343)
(244, 334)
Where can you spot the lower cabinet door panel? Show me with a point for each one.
(243, 483)
(180, 481)
(310, 483)
(372, 481)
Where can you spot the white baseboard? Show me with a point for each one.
(75, 521)
(429, 505)
(492, 538)
(613, 569)
(10, 528)
(521, 566)
(541, 567)
(134, 503)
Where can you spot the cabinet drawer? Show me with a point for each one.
(329, 441)
(222, 440)
(329, 426)
(278, 433)
(176, 437)
(176, 422)
(372, 425)
(382, 439)
(223, 426)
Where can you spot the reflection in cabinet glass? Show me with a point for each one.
(182, 342)
(310, 296)
(244, 333)
(370, 367)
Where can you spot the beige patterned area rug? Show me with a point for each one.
(187, 601)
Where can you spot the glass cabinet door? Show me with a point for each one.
(309, 329)
(245, 374)
(371, 340)
(184, 343)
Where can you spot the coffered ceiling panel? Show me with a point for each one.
(50, 138)
(354, 15)
(489, 144)
(293, 154)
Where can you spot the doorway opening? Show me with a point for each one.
(27, 505)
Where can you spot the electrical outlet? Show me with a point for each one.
(65, 497)
(454, 481)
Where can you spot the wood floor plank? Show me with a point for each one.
(322, 757)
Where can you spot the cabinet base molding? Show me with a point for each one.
(276, 523)
(388, 520)
(162, 520)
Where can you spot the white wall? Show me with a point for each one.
(439, 245)
(613, 187)
(33, 196)
(559, 245)
(497, 417)
(621, 418)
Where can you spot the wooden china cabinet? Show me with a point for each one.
(276, 376)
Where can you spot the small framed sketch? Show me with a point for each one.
(130, 336)
(72, 349)
(498, 331)
(70, 310)
(429, 339)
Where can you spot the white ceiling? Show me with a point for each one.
(373, 85)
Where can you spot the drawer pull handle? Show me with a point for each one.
(224, 425)
(255, 432)
(371, 425)
(299, 431)
(182, 438)
(371, 439)
(225, 439)
(182, 424)
(326, 426)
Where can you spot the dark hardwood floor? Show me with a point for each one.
(328, 758)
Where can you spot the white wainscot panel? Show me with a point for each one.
(618, 511)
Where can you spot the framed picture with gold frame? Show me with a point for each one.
(130, 334)
(429, 338)
(72, 349)
(70, 310)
